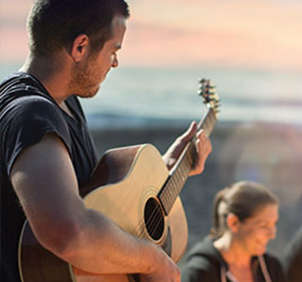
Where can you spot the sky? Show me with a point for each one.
(264, 34)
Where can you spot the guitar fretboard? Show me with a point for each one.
(182, 168)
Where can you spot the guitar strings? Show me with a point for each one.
(154, 221)
(184, 170)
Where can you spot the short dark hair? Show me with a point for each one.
(242, 199)
(54, 24)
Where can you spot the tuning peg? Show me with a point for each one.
(207, 91)
(203, 80)
(214, 97)
(208, 82)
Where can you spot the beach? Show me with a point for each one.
(257, 137)
(269, 153)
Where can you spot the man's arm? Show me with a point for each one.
(45, 182)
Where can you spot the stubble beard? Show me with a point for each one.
(82, 82)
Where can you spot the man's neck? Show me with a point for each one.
(51, 73)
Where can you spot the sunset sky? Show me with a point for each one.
(231, 33)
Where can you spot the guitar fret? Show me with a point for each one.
(180, 173)
(176, 183)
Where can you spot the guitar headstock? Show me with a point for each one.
(207, 91)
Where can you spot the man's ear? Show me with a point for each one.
(79, 49)
(233, 222)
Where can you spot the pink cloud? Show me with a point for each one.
(185, 32)
(159, 45)
(14, 47)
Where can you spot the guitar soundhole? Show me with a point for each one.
(154, 219)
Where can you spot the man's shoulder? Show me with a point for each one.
(20, 93)
(17, 82)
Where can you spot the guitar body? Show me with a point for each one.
(127, 193)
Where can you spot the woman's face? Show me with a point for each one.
(255, 232)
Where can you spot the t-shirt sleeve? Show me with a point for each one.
(25, 121)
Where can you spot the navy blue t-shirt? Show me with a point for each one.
(27, 113)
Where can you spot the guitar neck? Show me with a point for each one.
(182, 168)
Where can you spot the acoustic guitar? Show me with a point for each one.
(133, 187)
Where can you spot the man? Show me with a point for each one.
(46, 150)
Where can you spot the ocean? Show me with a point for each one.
(141, 96)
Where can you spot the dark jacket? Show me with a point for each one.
(293, 259)
(204, 263)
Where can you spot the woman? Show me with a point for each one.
(245, 217)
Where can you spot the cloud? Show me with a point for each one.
(158, 45)
(13, 44)
(258, 33)
(247, 33)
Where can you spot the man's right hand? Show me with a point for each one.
(166, 271)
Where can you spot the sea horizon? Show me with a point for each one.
(152, 97)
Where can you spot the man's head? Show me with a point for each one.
(88, 68)
(80, 37)
(53, 25)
